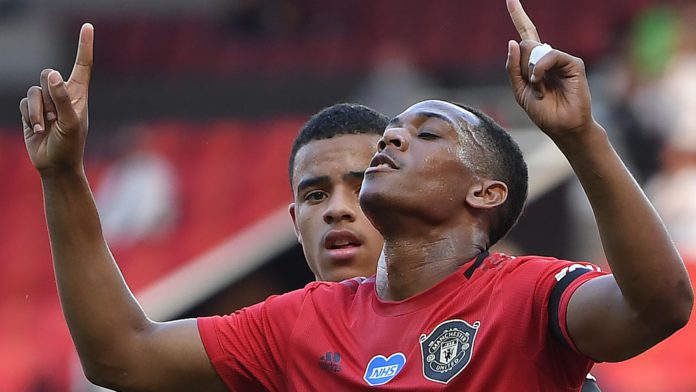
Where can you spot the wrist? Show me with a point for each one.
(583, 140)
(63, 173)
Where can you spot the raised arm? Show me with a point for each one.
(119, 347)
(649, 296)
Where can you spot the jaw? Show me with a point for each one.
(396, 203)
(335, 270)
(344, 273)
(379, 193)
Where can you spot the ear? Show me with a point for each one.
(291, 210)
(487, 194)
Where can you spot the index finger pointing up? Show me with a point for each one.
(83, 62)
(522, 23)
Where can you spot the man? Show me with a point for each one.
(440, 310)
(326, 167)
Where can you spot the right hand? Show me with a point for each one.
(54, 116)
(555, 93)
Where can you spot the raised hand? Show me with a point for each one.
(554, 93)
(54, 115)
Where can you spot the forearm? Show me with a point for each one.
(645, 263)
(100, 310)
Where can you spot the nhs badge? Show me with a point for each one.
(381, 370)
(447, 349)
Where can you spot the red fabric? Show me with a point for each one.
(281, 343)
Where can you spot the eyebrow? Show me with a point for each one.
(312, 181)
(320, 180)
(396, 121)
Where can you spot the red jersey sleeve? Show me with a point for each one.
(554, 290)
(555, 285)
(537, 292)
(247, 348)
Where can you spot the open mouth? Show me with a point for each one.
(341, 244)
(382, 162)
(341, 239)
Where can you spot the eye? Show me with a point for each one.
(315, 196)
(427, 135)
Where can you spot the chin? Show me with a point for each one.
(373, 198)
(339, 275)
(379, 207)
(349, 273)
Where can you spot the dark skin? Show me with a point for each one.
(120, 349)
(610, 318)
(429, 231)
(429, 235)
(649, 295)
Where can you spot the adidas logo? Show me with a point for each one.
(330, 361)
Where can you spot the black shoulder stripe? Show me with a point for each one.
(479, 259)
(555, 301)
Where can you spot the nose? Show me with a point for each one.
(341, 207)
(395, 137)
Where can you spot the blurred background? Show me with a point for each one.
(194, 106)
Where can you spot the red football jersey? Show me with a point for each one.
(497, 324)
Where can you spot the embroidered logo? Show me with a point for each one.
(381, 370)
(330, 361)
(447, 349)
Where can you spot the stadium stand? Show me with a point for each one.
(231, 173)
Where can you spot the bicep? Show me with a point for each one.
(171, 357)
(603, 326)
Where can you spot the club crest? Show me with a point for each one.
(447, 349)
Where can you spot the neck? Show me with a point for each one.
(413, 264)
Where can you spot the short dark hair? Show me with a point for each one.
(339, 119)
(502, 160)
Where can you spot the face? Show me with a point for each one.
(338, 240)
(422, 169)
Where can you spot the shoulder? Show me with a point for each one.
(541, 272)
(284, 307)
(311, 295)
(534, 265)
(348, 288)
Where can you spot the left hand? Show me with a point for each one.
(555, 93)
(55, 115)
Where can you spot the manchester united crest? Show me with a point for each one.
(447, 349)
